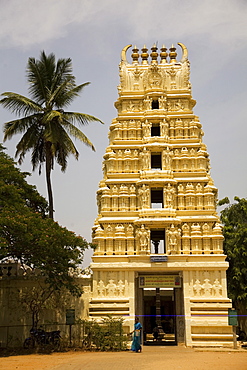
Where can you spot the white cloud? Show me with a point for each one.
(28, 22)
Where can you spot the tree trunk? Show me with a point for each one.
(242, 317)
(48, 167)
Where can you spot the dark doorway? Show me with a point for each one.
(158, 241)
(156, 162)
(157, 198)
(155, 130)
(167, 312)
(155, 104)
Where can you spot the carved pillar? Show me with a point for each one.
(100, 241)
(114, 205)
(106, 199)
(119, 240)
(132, 198)
(206, 238)
(190, 196)
(199, 196)
(109, 240)
(217, 239)
(123, 198)
(181, 197)
(130, 240)
(172, 127)
(185, 239)
(196, 239)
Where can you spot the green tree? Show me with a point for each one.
(30, 238)
(234, 219)
(47, 129)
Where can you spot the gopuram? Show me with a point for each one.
(159, 240)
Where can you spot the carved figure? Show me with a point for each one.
(185, 229)
(199, 188)
(147, 103)
(205, 229)
(217, 287)
(167, 159)
(169, 191)
(115, 189)
(162, 102)
(146, 129)
(197, 288)
(173, 235)
(145, 158)
(101, 288)
(132, 189)
(143, 236)
(144, 196)
(111, 288)
(119, 229)
(120, 288)
(164, 128)
(207, 287)
(130, 230)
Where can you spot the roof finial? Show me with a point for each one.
(123, 53)
(163, 54)
(135, 55)
(154, 54)
(144, 55)
(172, 54)
(185, 52)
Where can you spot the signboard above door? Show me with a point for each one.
(159, 281)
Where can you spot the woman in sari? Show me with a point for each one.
(136, 342)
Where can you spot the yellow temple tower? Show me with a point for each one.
(159, 241)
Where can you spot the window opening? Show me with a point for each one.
(155, 130)
(156, 162)
(157, 198)
(155, 104)
(158, 245)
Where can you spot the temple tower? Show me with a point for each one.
(159, 241)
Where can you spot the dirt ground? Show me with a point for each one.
(174, 358)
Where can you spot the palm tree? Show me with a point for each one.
(46, 126)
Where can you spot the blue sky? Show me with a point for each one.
(93, 33)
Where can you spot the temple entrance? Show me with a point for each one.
(159, 317)
(159, 303)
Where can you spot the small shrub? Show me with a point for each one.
(105, 336)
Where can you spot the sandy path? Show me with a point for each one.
(171, 358)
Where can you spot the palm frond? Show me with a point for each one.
(52, 116)
(63, 151)
(77, 133)
(58, 96)
(29, 140)
(67, 96)
(61, 143)
(63, 72)
(81, 118)
(20, 125)
(37, 78)
(19, 104)
(38, 154)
